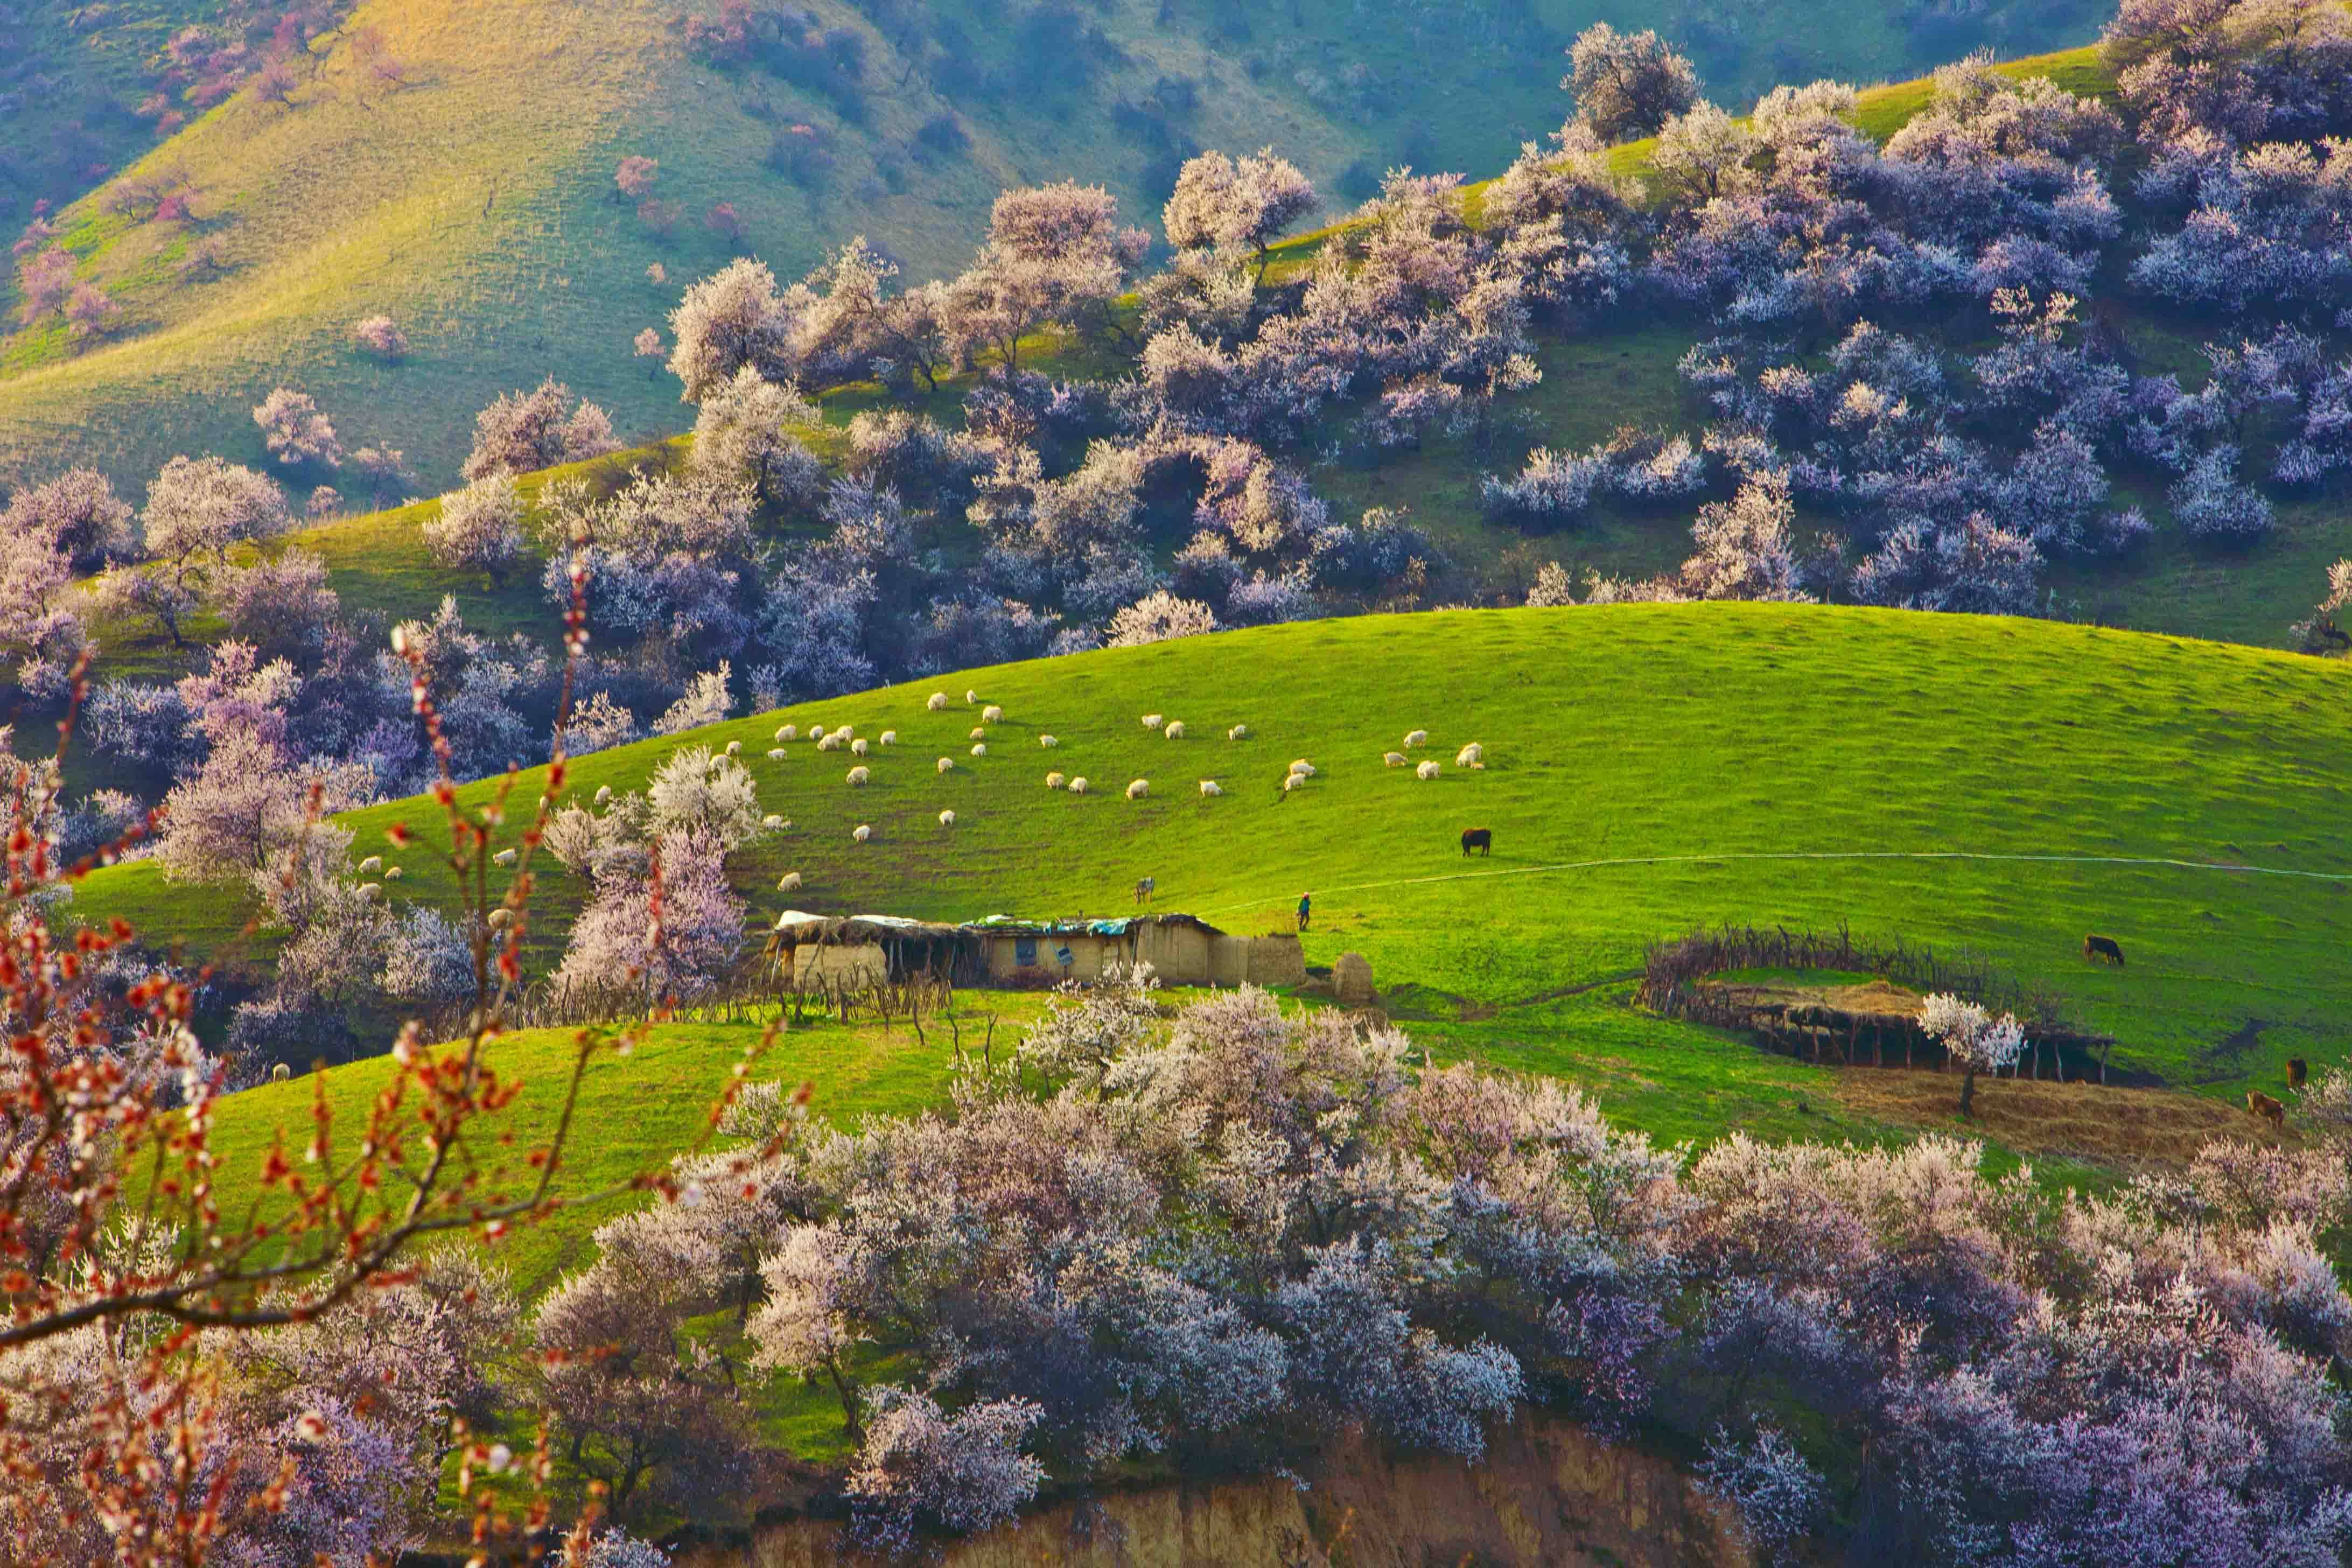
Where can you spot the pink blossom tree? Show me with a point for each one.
(523, 431)
(480, 528)
(295, 432)
(1975, 1039)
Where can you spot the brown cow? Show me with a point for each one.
(2095, 948)
(2269, 1110)
(2297, 1072)
(1482, 839)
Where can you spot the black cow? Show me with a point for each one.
(2095, 948)
(1482, 839)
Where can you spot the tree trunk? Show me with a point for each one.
(1968, 1093)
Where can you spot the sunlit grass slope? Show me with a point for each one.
(1666, 742)
(474, 202)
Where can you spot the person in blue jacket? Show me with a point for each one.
(1305, 908)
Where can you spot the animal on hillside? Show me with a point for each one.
(1048, 741)
(1427, 770)
(2298, 1072)
(1482, 839)
(788, 732)
(1137, 788)
(1473, 755)
(1079, 784)
(947, 765)
(947, 818)
(1175, 730)
(1416, 738)
(1238, 733)
(859, 748)
(1144, 887)
(790, 882)
(992, 714)
(860, 776)
(777, 753)
(1152, 721)
(2269, 1110)
(970, 697)
(861, 833)
(889, 737)
(937, 700)
(734, 748)
(1393, 759)
(1053, 781)
(979, 748)
(279, 1074)
(2097, 948)
(1209, 787)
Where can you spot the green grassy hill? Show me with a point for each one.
(1651, 768)
(474, 202)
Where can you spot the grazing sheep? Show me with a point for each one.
(827, 744)
(860, 776)
(1416, 738)
(790, 882)
(1302, 768)
(734, 748)
(859, 748)
(1238, 733)
(771, 822)
(501, 919)
(947, 765)
(1152, 721)
(392, 873)
(844, 732)
(369, 892)
(1175, 730)
(1292, 782)
(978, 733)
(947, 819)
(1136, 789)
(776, 753)
(789, 733)
(889, 737)
(603, 795)
(1079, 784)
(280, 1073)
(1053, 781)
(970, 697)
(371, 865)
(503, 858)
(1470, 756)
(1428, 770)
(980, 749)
(1209, 786)
(1393, 759)
(861, 833)
(938, 702)
(1048, 741)
(991, 714)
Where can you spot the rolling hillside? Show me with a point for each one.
(472, 197)
(1651, 769)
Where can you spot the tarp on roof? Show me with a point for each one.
(800, 923)
(1121, 925)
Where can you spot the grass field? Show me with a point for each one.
(1648, 766)
(474, 201)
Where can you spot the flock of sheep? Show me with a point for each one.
(844, 738)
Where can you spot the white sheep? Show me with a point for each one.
(603, 795)
(889, 737)
(1175, 730)
(1302, 768)
(503, 858)
(979, 748)
(734, 748)
(1292, 782)
(392, 873)
(978, 733)
(970, 697)
(1393, 759)
(1209, 786)
(790, 882)
(827, 744)
(1048, 741)
(771, 822)
(1470, 756)
(947, 818)
(1079, 784)
(371, 892)
(1138, 789)
(777, 753)
(947, 765)
(1416, 738)
(991, 714)
(789, 733)
(371, 865)
(1428, 770)
(501, 917)
(1152, 721)
(938, 701)
(859, 748)
(861, 833)
(1053, 781)
(1238, 733)
(860, 776)
(844, 733)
